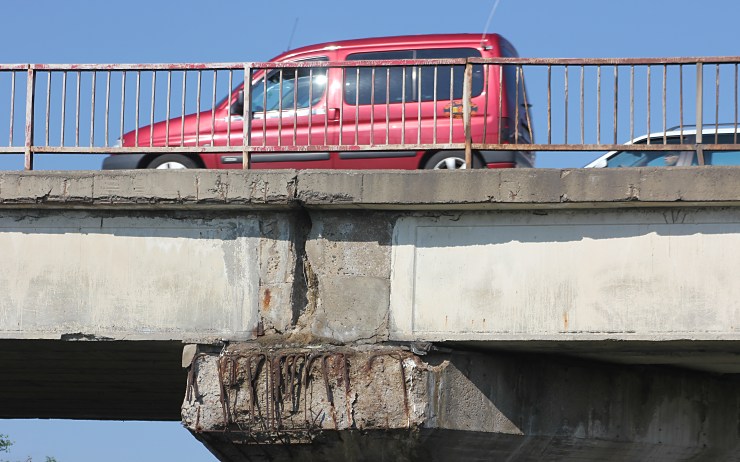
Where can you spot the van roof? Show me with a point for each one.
(402, 40)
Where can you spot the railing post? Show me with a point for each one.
(247, 116)
(30, 94)
(699, 100)
(467, 101)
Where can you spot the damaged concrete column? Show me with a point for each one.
(251, 402)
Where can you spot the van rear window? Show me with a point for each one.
(411, 83)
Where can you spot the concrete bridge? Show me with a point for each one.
(478, 315)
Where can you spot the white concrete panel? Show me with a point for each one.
(127, 277)
(642, 274)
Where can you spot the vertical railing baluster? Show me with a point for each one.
(198, 94)
(680, 102)
(213, 107)
(665, 77)
(107, 109)
(247, 116)
(12, 107)
(77, 109)
(30, 95)
(716, 106)
(123, 104)
(92, 108)
(136, 108)
(48, 109)
(649, 86)
(168, 107)
(616, 101)
(566, 104)
(582, 98)
(598, 104)
(151, 111)
(64, 107)
(632, 102)
(372, 106)
(467, 101)
(699, 102)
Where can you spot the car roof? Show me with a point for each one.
(448, 40)
(686, 130)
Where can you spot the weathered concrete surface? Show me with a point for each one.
(385, 403)
(404, 190)
(646, 274)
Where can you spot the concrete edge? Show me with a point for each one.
(381, 190)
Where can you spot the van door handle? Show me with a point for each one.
(332, 113)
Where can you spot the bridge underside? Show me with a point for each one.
(88, 379)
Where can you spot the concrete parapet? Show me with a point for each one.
(400, 190)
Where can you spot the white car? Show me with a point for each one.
(711, 134)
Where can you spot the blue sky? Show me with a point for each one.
(158, 31)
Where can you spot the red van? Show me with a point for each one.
(386, 115)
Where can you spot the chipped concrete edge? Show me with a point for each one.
(382, 190)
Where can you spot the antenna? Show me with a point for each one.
(488, 23)
(292, 32)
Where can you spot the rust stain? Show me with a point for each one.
(266, 299)
(565, 319)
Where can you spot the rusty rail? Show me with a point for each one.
(439, 104)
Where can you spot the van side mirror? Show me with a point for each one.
(237, 107)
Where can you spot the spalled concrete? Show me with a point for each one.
(387, 403)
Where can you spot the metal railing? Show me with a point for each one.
(472, 104)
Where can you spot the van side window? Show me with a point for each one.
(721, 157)
(289, 88)
(419, 81)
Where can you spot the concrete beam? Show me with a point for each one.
(267, 403)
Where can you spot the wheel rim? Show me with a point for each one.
(170, 165)
(450, 163)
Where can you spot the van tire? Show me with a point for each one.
(172, 161)
(450, 160)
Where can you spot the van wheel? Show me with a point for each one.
(449, 160)
(172, 161)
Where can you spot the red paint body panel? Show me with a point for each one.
(397, 123)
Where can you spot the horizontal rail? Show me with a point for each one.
(473, 104)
